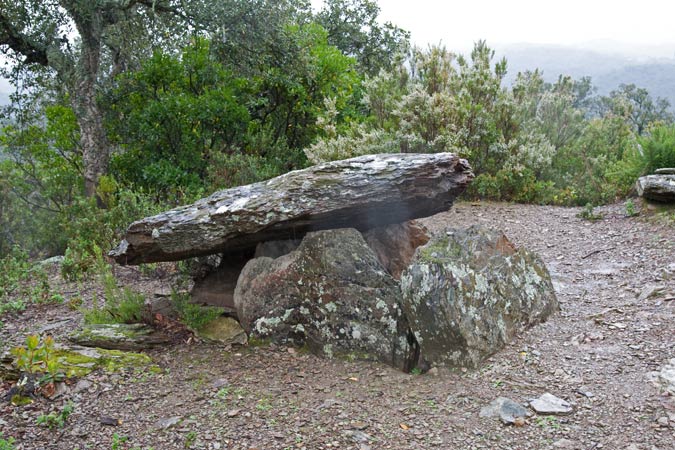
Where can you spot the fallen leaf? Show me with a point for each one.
(404, 426)
(519, 422)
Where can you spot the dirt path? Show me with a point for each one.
(598, 354)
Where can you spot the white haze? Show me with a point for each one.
(629, 28)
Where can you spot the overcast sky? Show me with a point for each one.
(460, 23)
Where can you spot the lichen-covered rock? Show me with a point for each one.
(395, 244)
(362, 193)
(658, 188)
(119, 336)
(467, 293)
(76, 361)
(223, 330)
(332, 295)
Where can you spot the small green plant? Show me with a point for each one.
(37, 356)
(56, 419)
(21, 282)
(223, 393)
(264, 404)
(79, 259)
(190, 439)
(193, 315)
(416, 371)
(548, 422)
(121, 305)
(7, 444)
(588, 213)
(118, 441)
(630, 209)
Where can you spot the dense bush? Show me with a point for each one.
(536, 142)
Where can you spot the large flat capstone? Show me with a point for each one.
(362, 193)
(658, 188)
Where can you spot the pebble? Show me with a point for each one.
(550, 404)
(662, 421)
(506, 409)
(167, 422)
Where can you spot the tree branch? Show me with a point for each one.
(10, 36)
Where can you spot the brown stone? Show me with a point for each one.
(395, 245)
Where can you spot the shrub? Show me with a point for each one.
(7, 444)
(121, 305)
(193, 315)
(657, 149)
(56, 419)
(21, 282)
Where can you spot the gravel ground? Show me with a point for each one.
(599, 353)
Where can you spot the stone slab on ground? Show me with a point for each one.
(119, 336)
(224, 331)
(549, 404)
(505, 409)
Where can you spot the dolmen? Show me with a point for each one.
(330, 258)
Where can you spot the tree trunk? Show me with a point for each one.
(93, 140)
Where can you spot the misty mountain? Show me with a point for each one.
(607, 69)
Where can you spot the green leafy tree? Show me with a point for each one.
(172, 116)
(40, 178)
(638, 107)
(83, 43)
(354, 28)
(291, 93)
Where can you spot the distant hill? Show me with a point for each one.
(607, 70)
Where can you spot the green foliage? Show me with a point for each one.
(121, 305)
(588, 213)
(537, 142)
(229, 170)
(291, 93)
(638, 108)
(172, 115)
(657, 149)
(354, 28)
(22, 282)
(39, 178)
(630, 208)
(38, 357)
(56, 419)
(7, 444)
(653, 150)
(190, 439)
(193, 315)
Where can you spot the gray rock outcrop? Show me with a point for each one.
(658, 188)
(362, 193)
(467, 293)
(330, 294)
